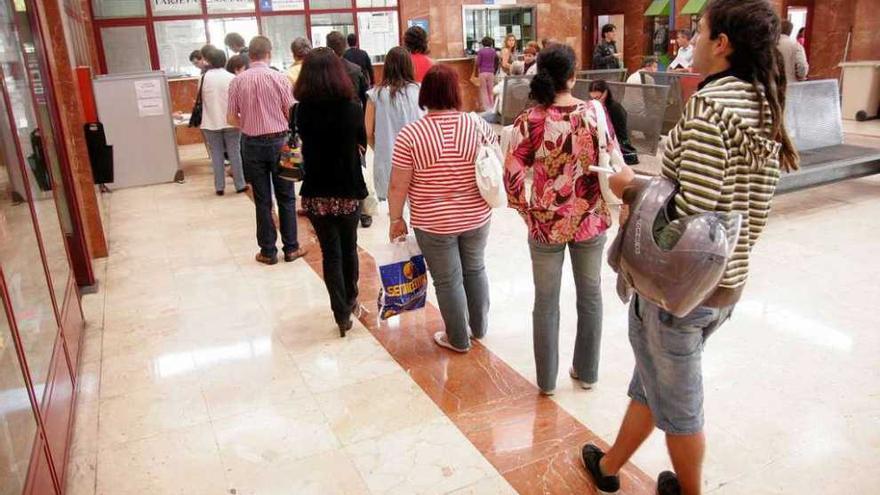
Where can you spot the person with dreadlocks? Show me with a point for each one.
(725, 154)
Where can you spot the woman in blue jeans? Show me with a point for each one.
(557, 139)
(433, 166)
(219, 135)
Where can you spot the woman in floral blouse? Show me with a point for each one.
(557, 139)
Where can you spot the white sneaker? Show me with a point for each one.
(574, 376)
(441, 340)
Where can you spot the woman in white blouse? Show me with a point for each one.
(220, 135)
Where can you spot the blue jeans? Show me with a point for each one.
(669, 373)
(586, 263)
(225, 140)
(456, 263)
(261, 171)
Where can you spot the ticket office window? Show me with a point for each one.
(497, 22)
(247, 27)
(324, 24)
(282, 30)
(175, 40)
(377, 33)
(134, 39)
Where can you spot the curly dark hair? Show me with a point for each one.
(415, 39)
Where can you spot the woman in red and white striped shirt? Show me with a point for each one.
(433, 166)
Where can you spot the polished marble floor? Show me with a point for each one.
(204, 372)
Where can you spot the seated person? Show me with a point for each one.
(599, 90)
(649, 64)
(494, 116)
(685, 58)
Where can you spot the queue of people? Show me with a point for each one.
(425, 148)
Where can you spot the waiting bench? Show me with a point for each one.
(813, 121)
(645, 106)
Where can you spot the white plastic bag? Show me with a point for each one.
(403, 275)
(489, 168)
(611, 161)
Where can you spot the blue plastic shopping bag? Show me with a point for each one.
(404, 278)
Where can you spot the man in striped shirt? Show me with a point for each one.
(725, 154)
(259, 102)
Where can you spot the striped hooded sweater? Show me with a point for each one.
(724, 161)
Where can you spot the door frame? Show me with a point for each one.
(810, 5)
(588, 18)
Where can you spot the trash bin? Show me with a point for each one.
(861, 89)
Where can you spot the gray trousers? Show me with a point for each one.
(586, 263)
(228, 140)
(459, 273)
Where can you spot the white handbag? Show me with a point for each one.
(608, 160)
(489, 168)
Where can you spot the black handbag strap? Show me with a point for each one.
(201, 87)
(294, 134)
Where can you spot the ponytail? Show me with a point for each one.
(556, 64)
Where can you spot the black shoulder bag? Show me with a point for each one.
(195, 119)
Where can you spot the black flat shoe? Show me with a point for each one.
(591, 456)
(242, 190)
(667, 484)
(219, 193)
(366, 221)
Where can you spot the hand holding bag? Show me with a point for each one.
(195, 119)
(404, 277)
(489, 168)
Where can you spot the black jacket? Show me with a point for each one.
(362, 59)
(359, 80)
(618, 120)
(331, 132)
(603, 56)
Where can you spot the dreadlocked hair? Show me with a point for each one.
(753, 29)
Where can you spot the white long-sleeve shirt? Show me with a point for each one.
(795, 59)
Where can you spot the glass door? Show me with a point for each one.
(18, 426)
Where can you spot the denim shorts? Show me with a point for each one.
(668, 377)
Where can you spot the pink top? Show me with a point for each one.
(421, 64)
(560, 144)
(440, 149)
(262, 98)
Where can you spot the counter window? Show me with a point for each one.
(282, 30)
(497, 22)
(175, 40)
(366, 4)
(323, 24)
(377, 33)
(126, 49)
(329, 4)
(219, 28)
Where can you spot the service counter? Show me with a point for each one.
(183, 91)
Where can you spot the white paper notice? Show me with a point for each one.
(148, 89)
(148, 107)
(517, 31)
(379, 23)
